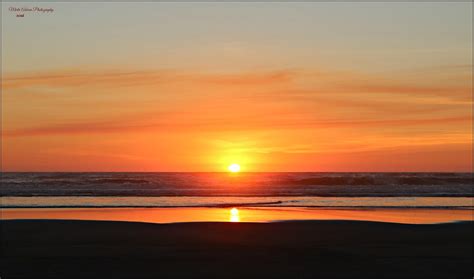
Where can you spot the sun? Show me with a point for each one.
(234, 215)
(234, 211)
(234, 168)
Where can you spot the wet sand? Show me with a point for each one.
(295, 249)
(245, 214)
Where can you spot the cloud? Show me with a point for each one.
(68, 78)
(309, 81)
(260, 100)
(219, 124)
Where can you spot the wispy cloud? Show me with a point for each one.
(260, 100)
(68, 78)
(296, 83)
(220, 124)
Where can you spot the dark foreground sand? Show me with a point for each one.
(305, 249)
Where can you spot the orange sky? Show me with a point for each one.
(286, 120)
(297, 114)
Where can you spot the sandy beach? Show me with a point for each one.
(294, 249)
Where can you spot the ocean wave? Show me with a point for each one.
(226, 202)
(244, 184)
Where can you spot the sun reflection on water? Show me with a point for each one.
(234, 215)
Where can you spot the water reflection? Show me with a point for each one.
(249, 214)
(234, 215)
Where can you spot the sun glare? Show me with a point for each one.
(234, 215)
(234, 211)
(234, 168)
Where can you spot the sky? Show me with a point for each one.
(270, 86)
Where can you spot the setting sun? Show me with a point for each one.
(234, 168)
(234, 215)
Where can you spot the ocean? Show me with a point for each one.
(122, 189)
